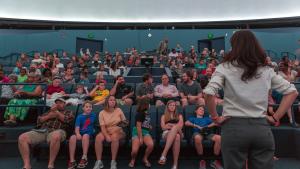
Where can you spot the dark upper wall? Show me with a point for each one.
(278, 40)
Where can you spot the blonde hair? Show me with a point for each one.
(167, 113)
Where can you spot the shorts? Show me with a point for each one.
(88, 133)
(145, 132)
(208, 137)
(38, 137)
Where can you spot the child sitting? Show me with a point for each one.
(99, 93)
(78, 97)
(199, 123)
(84, 129)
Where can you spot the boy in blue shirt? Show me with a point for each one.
(84, 129)
(198, 123)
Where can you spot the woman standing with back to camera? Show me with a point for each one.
(246, 80)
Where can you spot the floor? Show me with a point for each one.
(16, 163)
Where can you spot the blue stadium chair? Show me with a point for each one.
(109, 78)
(92, 70)
(76, 71)
(157, 79)
(134, 79)
(109, 86)
(126, 110)
(76, 77)
(92, 78)
(8, 70)
(90, 86)
(73, 108)
(68, 87)
(133, 85)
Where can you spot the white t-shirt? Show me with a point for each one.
(173, 55)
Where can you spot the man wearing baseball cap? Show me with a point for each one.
(51, 128)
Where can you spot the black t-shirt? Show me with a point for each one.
(144, 118)
(122, 90)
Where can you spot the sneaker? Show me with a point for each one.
(202, 164)
(216, 164)
(113, 164)
(174, 167)
(72, 165)
(98, 165)
(83, 163)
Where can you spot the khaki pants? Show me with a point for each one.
(37, 137)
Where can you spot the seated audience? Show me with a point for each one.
(109, 120)
(199, 124)
(99, 93)
(141, 133)
(171, 123)
(36, 58)
(68, 76)
(100, 78)
(7, 92)
(18, 68)
(47, 76)
(122, 92)
(34, 69)
(54, 91)
(58, 64)
(101, 70)
(114, 70)
(79, 96)
(290, 75)
(165, 92)
(84, 130)
(84, 78)
(27, 95)
(190, 91)
(145, 90)
(22, 77)
(51, 128)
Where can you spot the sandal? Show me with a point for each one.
(162, 160)
(131, 164)
(147, 164)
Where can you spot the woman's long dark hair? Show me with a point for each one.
(143, 105)
(246, 53)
